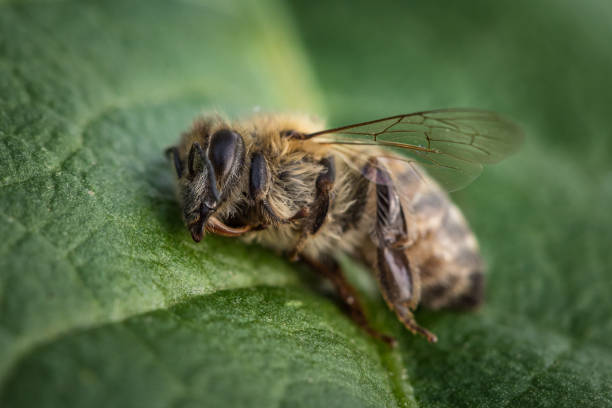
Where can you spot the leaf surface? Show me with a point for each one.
(106, 301)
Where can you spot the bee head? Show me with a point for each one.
(211, 174)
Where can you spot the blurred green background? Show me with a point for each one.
(106, 301)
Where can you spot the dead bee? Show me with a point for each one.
(360, 190)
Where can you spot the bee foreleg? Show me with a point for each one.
(320, 206)
(331, 270)
(259, 184)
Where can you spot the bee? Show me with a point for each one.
(375, 191)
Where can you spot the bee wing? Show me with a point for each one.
(451, 144)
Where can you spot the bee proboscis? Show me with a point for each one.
(365, 190)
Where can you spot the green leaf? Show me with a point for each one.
(106, 301)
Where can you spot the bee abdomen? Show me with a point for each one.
(451, 268)
(459, 292)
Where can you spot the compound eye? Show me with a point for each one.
(225, 147)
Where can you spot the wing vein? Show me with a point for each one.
(452, 143)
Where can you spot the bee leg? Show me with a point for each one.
(259, 184)
(319, 207)
(331, 270)
(399, 282)
(301, 213)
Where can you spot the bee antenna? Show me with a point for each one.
(173, 151)
(195, 147)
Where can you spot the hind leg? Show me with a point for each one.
(332, 271)
(398, 279)
(400, 286)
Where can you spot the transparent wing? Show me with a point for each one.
(452, 145)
